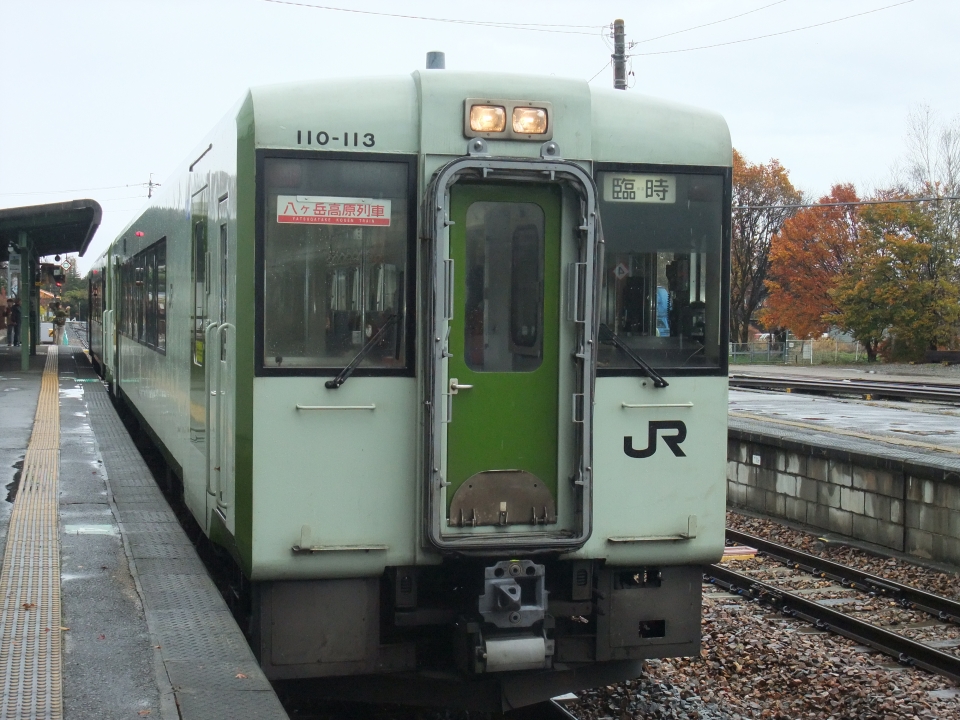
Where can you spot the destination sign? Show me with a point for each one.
(618, 187)
(323, 210)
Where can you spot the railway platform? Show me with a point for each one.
(883, 472)
(107, 610)
(896, 372)
(917, 432)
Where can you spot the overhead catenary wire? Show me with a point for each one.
(77, 190)
(126, 197)
(715, 22)
(770, 35)
(533, 27)
(605, 66)
(800, 206)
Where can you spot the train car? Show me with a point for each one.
(440, 360)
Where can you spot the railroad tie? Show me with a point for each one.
(30, 632)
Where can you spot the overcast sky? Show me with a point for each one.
(101, 93)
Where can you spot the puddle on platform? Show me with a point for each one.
(91, 530)
(924, 432)
(72, 393)
(64, 577)
(14, 485)
(67, 511)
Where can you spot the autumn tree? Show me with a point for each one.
(759, 192)
(897, 287)
(808, 258)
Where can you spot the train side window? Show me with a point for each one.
(198, 262)
(151, 296)
(143, 297)
(663, 266)
(131, 293)
(141, 305)
(161, 306)
(336, 242)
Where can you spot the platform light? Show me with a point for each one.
(529, 120)
(488, 118)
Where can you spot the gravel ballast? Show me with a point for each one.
(754, 664)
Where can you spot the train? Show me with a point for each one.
(439, 362)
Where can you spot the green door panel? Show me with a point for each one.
(504, 335)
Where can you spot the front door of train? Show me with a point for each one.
(508, 374)
(503, 372)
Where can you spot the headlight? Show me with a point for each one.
(488, 118)
(499, 118)
(529, 121)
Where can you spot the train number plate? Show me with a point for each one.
(323, 210)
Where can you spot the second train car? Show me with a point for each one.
(440, 360)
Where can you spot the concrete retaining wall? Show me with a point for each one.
(889, 502)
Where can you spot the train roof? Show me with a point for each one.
(423, 113)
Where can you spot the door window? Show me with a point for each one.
(199, 262)
(503, 323)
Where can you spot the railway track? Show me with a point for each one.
(78, 333)
(868, 389)
(549, 710)
(850, 587)
(318, 709)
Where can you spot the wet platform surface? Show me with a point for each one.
(909, 434)
(143, 630)
(905, 373)
(925, 426)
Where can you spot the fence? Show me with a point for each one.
(825, 351)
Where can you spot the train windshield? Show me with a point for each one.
(335, 251)
(663, 268)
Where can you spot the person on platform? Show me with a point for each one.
(14, 316)
(59, 320)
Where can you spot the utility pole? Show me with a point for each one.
(151, 185)
(619, 57)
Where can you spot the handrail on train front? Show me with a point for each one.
(207, 393)
(105, 332)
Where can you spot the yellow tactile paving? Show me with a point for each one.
(30, 633)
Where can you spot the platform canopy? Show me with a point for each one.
(52, 229)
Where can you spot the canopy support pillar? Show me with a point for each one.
(27, 334)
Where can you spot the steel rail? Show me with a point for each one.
(559, 711)
(548, 710)
(908, 597)
(906, 651)
(901, 391)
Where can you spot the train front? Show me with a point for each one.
(489, 395)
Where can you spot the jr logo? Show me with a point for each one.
(673, 441)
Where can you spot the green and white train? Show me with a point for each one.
(440, 360)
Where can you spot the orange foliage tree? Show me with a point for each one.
(900, 288)
(808, 257)
(760, 193)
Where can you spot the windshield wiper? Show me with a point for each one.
(342, 376)
(607, 333)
